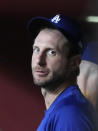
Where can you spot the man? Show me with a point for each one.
(88, 78)
(55, 63)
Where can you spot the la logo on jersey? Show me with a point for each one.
(56, 19)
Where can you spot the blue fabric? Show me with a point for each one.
(64, 24)
(69, 112)
(61, 22)
(91, 53)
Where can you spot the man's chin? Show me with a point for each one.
(50, 85)
(40, 83)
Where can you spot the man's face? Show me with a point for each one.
(49, 58)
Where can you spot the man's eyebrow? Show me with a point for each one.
(34, 46)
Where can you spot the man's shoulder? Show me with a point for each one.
(69, 114)
(73, 110)
(69, 109)
(70, 117)
(72, 101)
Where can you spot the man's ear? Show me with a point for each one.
(75, 61)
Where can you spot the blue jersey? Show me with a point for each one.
(71, 111)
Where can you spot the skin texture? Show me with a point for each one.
(51, 69)
(88, 81)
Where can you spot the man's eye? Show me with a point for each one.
(35, 50)
(52, 52)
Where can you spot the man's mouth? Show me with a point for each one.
(41, 73)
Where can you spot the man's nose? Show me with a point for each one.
(41, 59)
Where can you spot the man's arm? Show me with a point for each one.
(88, 78)
(88, 81)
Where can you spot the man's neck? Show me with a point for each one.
(50, 96)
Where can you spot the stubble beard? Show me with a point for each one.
(52, 83)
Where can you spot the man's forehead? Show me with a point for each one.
(52, 36)
(52, 33)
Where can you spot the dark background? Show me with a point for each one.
(21, 104)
